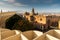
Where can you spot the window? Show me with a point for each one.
(40, 19)
(32, 18)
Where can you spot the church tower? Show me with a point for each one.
(33, 12)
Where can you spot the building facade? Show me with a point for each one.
(43, 20)
(35, 18)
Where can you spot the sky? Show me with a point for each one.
(27, 5)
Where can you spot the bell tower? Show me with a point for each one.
(33, 12)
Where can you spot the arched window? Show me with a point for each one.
(40, 19)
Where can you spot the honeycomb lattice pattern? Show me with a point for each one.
(6, 34)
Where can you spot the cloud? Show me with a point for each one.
(2, 3)
(55, 5)
(35, 1)
(14, 3)
(43, 1)
(48, 1)
(11, 1)
(19, 4)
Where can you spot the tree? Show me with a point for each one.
(18, 23)
(12, 20)
(23, 25)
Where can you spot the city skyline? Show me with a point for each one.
(27, 5)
